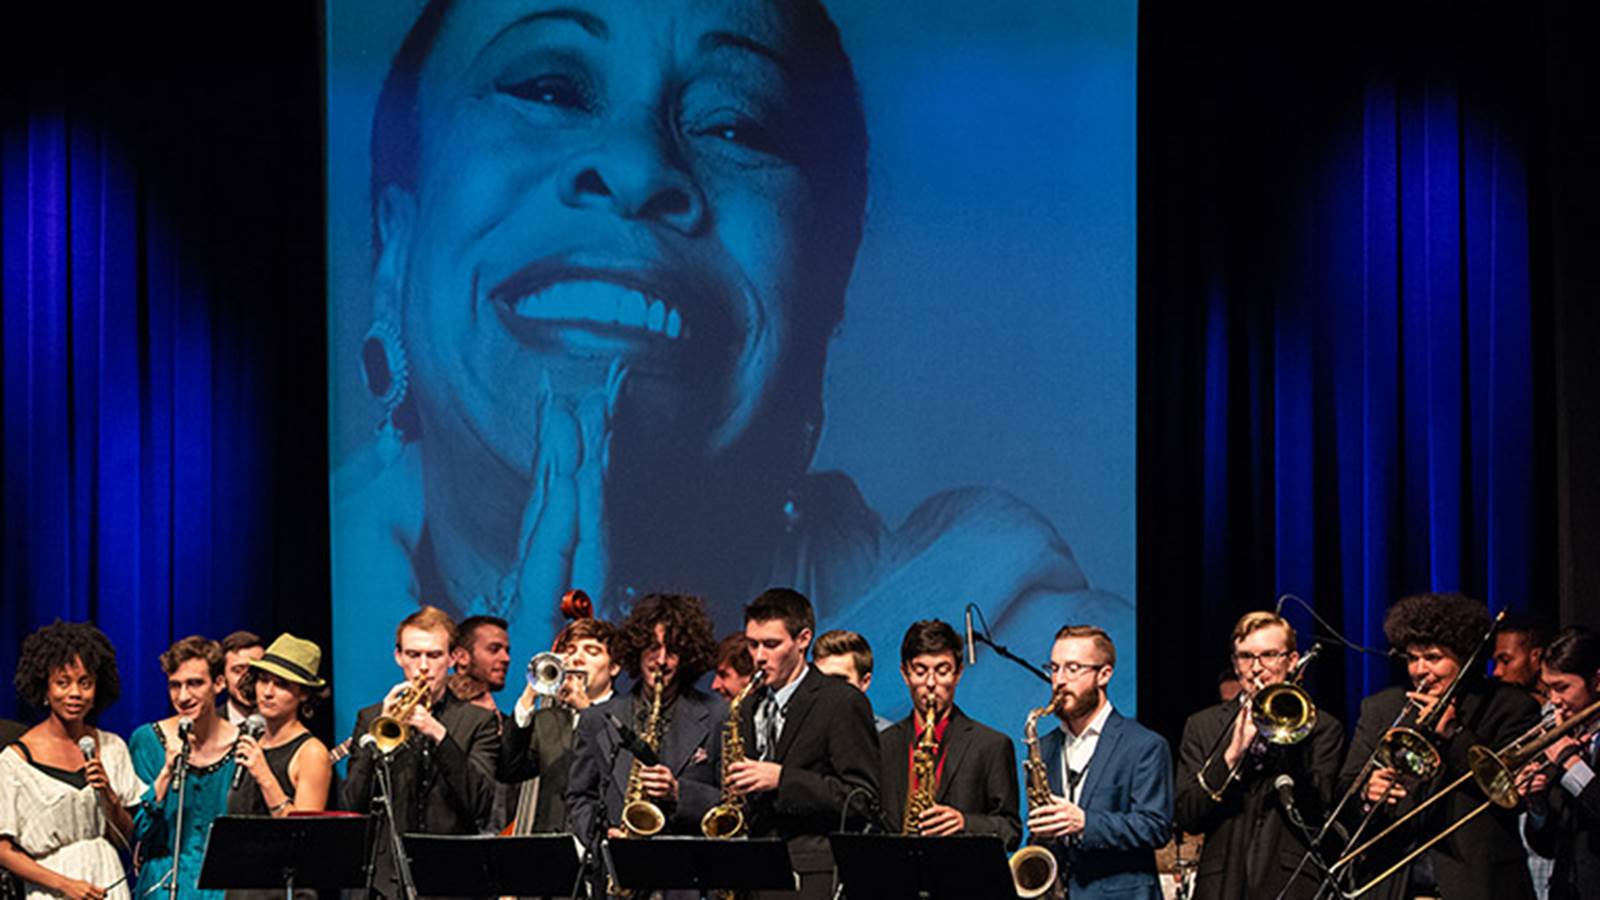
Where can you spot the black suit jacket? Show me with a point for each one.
(444, 788)
(1251, 848)
(1483, 860)
(828, 747)
(543, 750)
(689, 747)
(979, 776)
(1567, 828)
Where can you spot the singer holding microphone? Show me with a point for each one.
(66, 787)
(173, 815)
(283, 768)
(1253, 843)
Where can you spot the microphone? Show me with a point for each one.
(640, 750)
(1284, 784)
(254, 726)
(185, 725)
(86, 747)
(972, 647)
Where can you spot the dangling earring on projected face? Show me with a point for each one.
(383, 370)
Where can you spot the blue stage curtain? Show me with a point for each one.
(1336, 277)
(161, 347)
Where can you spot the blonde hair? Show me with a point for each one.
(428, 618)
(1251, 622)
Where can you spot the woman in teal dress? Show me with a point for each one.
(194, 669)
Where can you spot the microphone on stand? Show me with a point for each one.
(185, 725)
(86, 746)
(254, 726)
(640, 750)
(972, 646)
(1284, 784)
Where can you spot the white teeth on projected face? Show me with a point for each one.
(602, 303)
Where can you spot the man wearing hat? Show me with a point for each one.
(286, 769)
(443, 773)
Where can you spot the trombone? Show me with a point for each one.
(1283, 714)
(1493, 771)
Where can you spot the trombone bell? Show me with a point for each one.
(1284, 713)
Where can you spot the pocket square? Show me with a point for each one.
(698, 757)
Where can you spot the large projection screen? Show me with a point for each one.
(705, 297)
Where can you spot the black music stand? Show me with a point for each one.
(264, 853)
(902, 867)
(677, 862)
(479, 865)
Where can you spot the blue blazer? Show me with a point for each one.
(1126, 797)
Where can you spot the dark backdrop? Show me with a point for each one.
(1364, 300)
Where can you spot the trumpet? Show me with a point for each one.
(1494, 773)
(547, 672)
(390, 731)
(1283, 714)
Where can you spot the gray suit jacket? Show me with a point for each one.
(691, 747)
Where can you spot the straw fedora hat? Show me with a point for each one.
(292, 659)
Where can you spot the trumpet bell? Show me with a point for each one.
(388, 733)
(1493, 776)
(1284, 713)
(545, 673)
(1033, 871)
(1408, 750)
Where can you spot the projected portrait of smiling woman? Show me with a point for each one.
(611, 248)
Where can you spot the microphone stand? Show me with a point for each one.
(597, 832)
(180, 778)
(873, 816)
(383, 807)
(981, 635)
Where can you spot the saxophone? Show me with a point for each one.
(924, 769)
(640, 817)
(1033, 868)
(726, 819)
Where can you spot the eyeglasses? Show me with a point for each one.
(1267, 658)
(1072, 669)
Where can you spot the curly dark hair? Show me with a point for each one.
(688, 634)
(54, 647)
(1453, 621)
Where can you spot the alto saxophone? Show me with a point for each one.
(640, 817)
(726, 819)
(1034, 871)
(924, 769)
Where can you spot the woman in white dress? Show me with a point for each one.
(60, 812)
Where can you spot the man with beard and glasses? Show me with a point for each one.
(667, 644)
(1484, 859)
(606, 270)
(1110, 778)
(1560, 786)
(1252, 844)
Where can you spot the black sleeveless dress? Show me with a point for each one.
(246, 800)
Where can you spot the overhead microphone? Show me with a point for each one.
(972, 646)
(254, 726)
(86, 747)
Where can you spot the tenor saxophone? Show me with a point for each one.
(924, 768)
(640, 817)
(1034, 871)
(726, 819)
